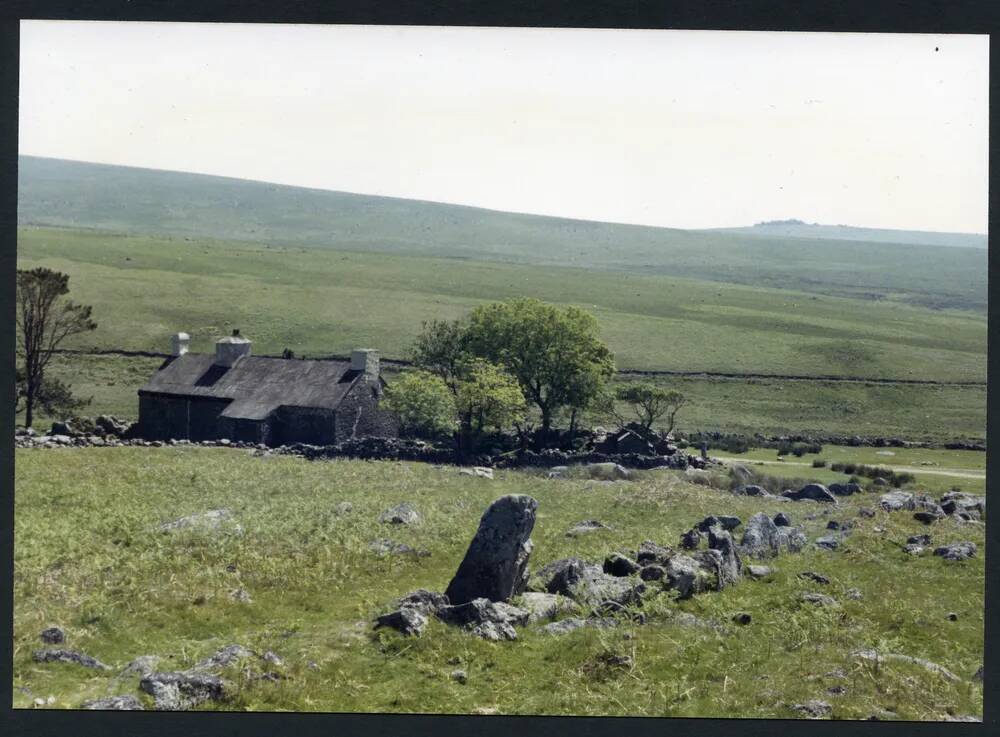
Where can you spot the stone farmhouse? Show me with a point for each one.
(273, 401)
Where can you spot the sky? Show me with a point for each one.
(687, 129)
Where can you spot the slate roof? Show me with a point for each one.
(256, 385)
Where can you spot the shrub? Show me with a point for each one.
(423, 402)
(819, 463)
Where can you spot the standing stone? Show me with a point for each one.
(495, 566)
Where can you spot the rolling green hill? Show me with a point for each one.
(131, 200)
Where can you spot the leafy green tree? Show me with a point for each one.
(488, 397)
(44, 318)
(650, 403)
(423, 402)
(555, 354)
(440, 349)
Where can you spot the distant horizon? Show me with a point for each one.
(804, 221)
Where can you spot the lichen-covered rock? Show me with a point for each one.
(869, 654)
(53, 636)
(224, 657)
(813, 492)
(424, 601)
(813, 709)
(212, 520)
(815, 577)
(844, 489)
(598, 590)
(687, 576)
(543, 606)
(755, 571)
(557, 576)
(406, 620)
(401, 514)
(691, 539)
(652, 572)
(495, 566)
(956, 551)
(586, 527)
(565, 626)
(782, 520)
(650, 552)
(897, 501)
(828, 542)
(731, 566)
(762, 538)
(68, 656)
(819, 600)
(140, 666)
(617, 564)
(182, 690)
(113, 703)
(495, 631)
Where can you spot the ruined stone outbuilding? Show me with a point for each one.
(272, 401)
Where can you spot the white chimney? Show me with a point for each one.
(366, 361)
(229, 350)
(179, 344)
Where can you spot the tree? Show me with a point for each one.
(555, 354)
(488, 397)
(423, 402)
(441, 349)
(44, 319)
(650, 403)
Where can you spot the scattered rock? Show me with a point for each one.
(652, 572)
(113, 703)
(140, 666)
(691, 539)
(952, 617)
(343, 508)
(751, 490)
(213, 519)
(495, 566)
(833, 525)
(865, 512)
(837, 690)
(650, 552)
(459, 676)
(598, 590)
(956, 551)
(586, 527)
(819, 600)
(918, 540)
(68, 656)
(726, 523)
(814, 709)
(844, 489)
(828, 542)
(224, 657)
(731, 567)
(606, 470)
(756, 571)
(384, 546)
(424, 601)
(928, 518)
(401, 514)
(978, 675)
(542, 606)
(868, 654)
(814, 492)
(913, 549)
(617, 564)
(762, 538)
(742, 618)
(813, 576)
(182, 690)
(407, 620)
(897, 501)
(241, 595)
(686, 576)
(53, 636)
(782, 520)
(855, 595)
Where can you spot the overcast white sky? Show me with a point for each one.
(678, 128)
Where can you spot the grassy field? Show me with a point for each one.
(88, 557)
(936, 470)
(768, 406)
(163, 203)
(319, 302)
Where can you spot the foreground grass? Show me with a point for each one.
(87, 558)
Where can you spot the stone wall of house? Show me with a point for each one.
(162, 418)
(302, 425)
(358, 415)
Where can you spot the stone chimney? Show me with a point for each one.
(179, 344)
(229, 350)
(366, 361)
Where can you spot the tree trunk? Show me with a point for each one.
(29, 405)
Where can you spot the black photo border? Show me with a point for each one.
(885, 16)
